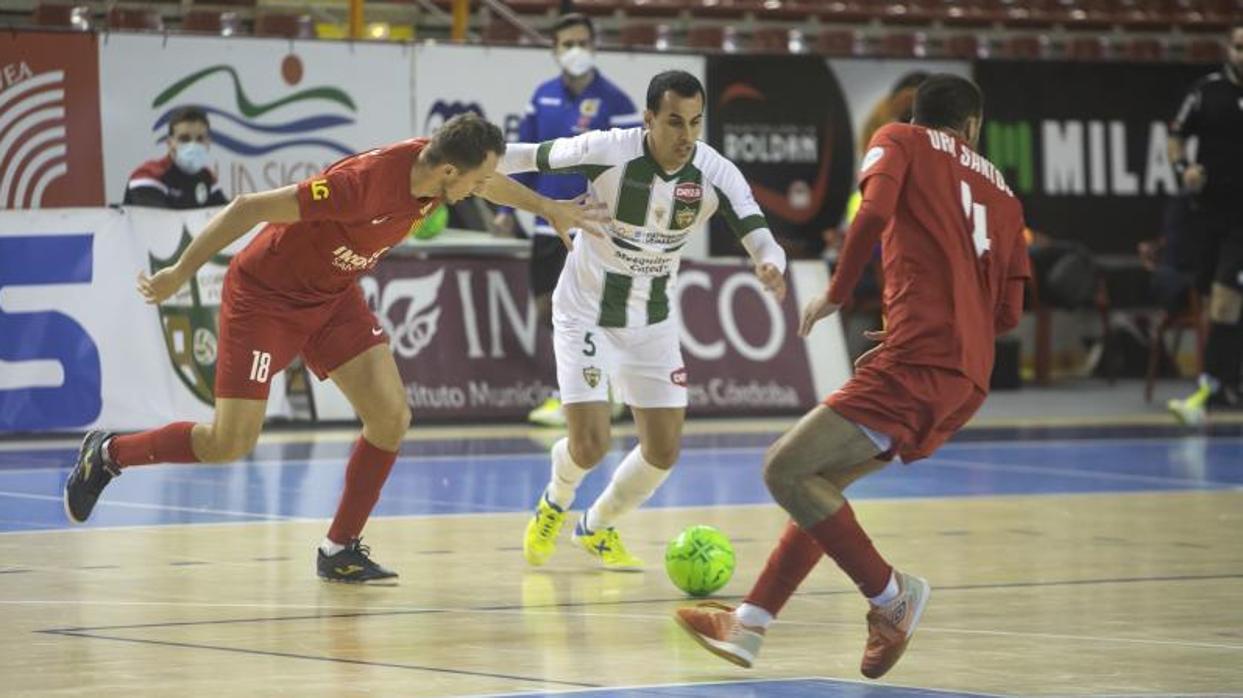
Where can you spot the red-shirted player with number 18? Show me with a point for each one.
(954, 263)
(293, 291)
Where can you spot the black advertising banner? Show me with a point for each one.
(783, 120)
(1084, 144)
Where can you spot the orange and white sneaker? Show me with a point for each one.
(891, 626)
(715, 626)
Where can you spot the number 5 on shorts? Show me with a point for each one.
(259, 366)
(591, 346)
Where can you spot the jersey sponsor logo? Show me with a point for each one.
(873, 156)
(407, 309)
(592, 375)
(589, 107)
(319, 189)
(348, 260)
(688, 192)
(190, 319)
(678, 377)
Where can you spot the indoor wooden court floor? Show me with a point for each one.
(1076, 561)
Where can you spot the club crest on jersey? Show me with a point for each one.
(678, 377)
(589, 107)
(592, 375)
(687, 197)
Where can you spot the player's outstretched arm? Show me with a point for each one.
(233, 221)
(564, 216)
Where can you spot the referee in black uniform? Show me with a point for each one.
(1213, 113)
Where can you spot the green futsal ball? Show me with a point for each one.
(431, 225)
(700, 560)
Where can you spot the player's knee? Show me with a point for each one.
(661, 456)
(1225, 305)
(776, 478)
(229, 445)
(589, 447)
(389, 421)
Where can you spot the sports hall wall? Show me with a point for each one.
(79, 111)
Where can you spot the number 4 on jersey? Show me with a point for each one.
(977, 214)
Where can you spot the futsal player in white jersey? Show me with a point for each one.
(613, 322)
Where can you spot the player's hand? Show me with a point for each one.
(1194, 178)
(819, 308)
(865, 357)
(504, 224)
(773, 280)
(164, 283)
(580, 213)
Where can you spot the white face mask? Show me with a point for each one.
(190, 157)
(577, 61)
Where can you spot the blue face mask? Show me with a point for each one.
(190, 157)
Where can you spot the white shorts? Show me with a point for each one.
(643, 364)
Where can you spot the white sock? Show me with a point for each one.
(889, 594)
(634, 481)
(331, 548)
(566, 475)
(753, 616)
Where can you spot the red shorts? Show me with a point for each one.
(261, 333)
(919, 407)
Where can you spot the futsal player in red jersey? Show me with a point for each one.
(954, 263)
(293, 291)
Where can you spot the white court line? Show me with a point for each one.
(625, 616)
(159, 507)
(937, 461)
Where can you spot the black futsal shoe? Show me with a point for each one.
(353, 565)
(89, 477)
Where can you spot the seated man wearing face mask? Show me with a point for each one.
(180, 179)
(578, 100)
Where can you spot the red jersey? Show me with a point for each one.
(950, 253)
(351, 214)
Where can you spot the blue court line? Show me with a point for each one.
(754, 688)
(307, 486)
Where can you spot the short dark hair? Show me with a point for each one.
(465, 141)
(186, 115)
(681, 82)
(573, 19)
(946, 101)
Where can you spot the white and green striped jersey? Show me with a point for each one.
(624, 278)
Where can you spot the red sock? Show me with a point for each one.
(842, 539)
(170, 443)
(788, 565)
(364, 478)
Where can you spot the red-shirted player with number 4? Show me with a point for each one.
(292, 291)
(955, 262)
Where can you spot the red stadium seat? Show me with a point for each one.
(212, 22)
(1206, 51)
(58, 15)
(289, 26)
(706, 36)
(911, 12)
(500, 31)
(1023, 46)
(140, 18)
(1086, 48)
(770, 40)
(837, 42)
(654, 8)
(1143, 49)
(642, 35)
(846, 11)
(1025, 13)
(902, 45)
(723, 9)
(962, 46)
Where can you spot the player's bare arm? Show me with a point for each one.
(232, 222)
(564, 216)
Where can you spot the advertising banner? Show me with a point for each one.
(793, 125)
(469, 346)
(78, 346)
(1083, 145)
(280, 111)
(49, 120)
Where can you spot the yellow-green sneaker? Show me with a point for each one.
(606, 546)
(548, 414)
(540, 540)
